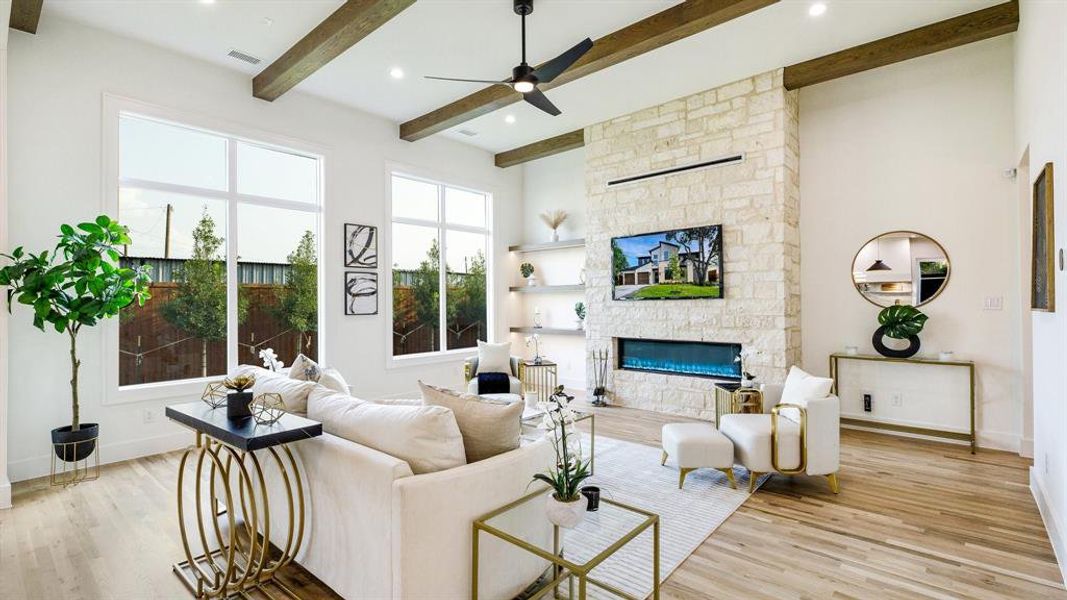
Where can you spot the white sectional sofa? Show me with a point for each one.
(374, 529)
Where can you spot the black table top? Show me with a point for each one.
(245, 433)
(729, 386)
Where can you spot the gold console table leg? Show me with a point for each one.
(238, 560)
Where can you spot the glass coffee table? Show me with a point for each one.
(604, 532)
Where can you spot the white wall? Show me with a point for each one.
(555, 182)
(5, 484)
(1041, 129)
(58, 78)
(921, 145)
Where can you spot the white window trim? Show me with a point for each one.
(113, 106)
(441, 356)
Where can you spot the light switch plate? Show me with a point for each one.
(993, 303)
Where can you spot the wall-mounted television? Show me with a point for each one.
(681, 264)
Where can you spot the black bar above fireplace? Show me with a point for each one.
(694, 359)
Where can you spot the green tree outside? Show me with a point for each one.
(298, 299)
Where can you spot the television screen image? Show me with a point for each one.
(680, 264)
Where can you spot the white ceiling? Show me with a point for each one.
(480, 39)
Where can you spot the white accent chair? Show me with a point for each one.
(799, 437)
(470, 375)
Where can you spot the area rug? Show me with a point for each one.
(631, 473)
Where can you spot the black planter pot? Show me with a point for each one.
(64, 440)
(879, 345)
(237, 405)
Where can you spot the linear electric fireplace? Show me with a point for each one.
(698, 359)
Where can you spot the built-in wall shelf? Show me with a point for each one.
(548, 289)
(560, 245)
(548, 331)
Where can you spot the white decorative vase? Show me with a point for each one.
(555, 235)
(748, 382)
(531, 280)
(566, 514)
(581, 324)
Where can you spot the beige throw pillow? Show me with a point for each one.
(331, 378)
(426, 437)
(305, 369)
(489, 427)
(494, 358)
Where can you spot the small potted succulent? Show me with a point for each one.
(238, 401)
(899, 322)
(565, 506)
(579, 311)
(527, 271)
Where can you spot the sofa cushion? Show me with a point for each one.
(494, 358)
(426, 437)
(331, 378)
(305, 369)
(751, 436)
(294, 393)
(489, 427)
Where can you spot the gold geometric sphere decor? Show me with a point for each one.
(267, 408)
(215, 394)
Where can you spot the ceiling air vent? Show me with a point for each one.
(716, 162)
(468, 132)
(241, 56)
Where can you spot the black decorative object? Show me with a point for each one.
(600, 377)
(592, 493)
(237, 405)
(74, 446)
(900, 322)
(361, 246)
(879, 345)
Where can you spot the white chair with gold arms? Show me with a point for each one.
(470, 375)
(799, 433)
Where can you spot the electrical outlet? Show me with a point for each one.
(149, 415)
(896, 399)
(867, 403)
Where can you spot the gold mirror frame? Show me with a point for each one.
(852, 265)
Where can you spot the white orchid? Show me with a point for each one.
(570, 469)
(270, 359)
(535, 339)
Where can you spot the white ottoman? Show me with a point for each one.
(696, 446)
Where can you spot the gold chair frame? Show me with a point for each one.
(776, 444)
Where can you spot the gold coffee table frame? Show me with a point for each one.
(238, 563)
(563, 569)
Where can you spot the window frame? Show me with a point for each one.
(114, 107)
(442, 227)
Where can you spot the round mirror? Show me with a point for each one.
(901, 267)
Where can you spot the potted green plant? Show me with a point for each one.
(566, 505)
(579, 311)
(900, 322)
(78, 284)
(527, 271)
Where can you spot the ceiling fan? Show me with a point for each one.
(524, 78)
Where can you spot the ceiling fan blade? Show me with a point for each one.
(467, 80)
(540, 100)
(552, 69)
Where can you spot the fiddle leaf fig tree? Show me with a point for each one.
(77, 285)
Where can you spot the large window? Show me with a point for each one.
(230, 230)
(440, 241)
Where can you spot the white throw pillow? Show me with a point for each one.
(426, 437)
(332, 379)
(305, 369)
(494, 358)
(801, 386)
(489, 427)
(293, 392)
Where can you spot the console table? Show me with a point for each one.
(971, 437)
(229, 480)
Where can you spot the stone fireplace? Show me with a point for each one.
(757, 202)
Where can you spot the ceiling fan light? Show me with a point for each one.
(878, 265)
(524, 87)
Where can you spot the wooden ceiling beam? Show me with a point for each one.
(964, 29)
(675, 23)
(541, 149)
(349, 24)
(25, 15)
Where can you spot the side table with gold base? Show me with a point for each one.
(538, 378)
(235, 557)
(731, 398)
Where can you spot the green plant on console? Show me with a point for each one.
(579, 310)
(77, 285)
(901, 321)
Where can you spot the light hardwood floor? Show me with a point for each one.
(914, 520)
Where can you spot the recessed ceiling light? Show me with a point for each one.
(396, 73)
(509, 119)
(817, 9)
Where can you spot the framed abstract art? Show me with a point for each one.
(361, 246)
(1042, 260)
(361, 293)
